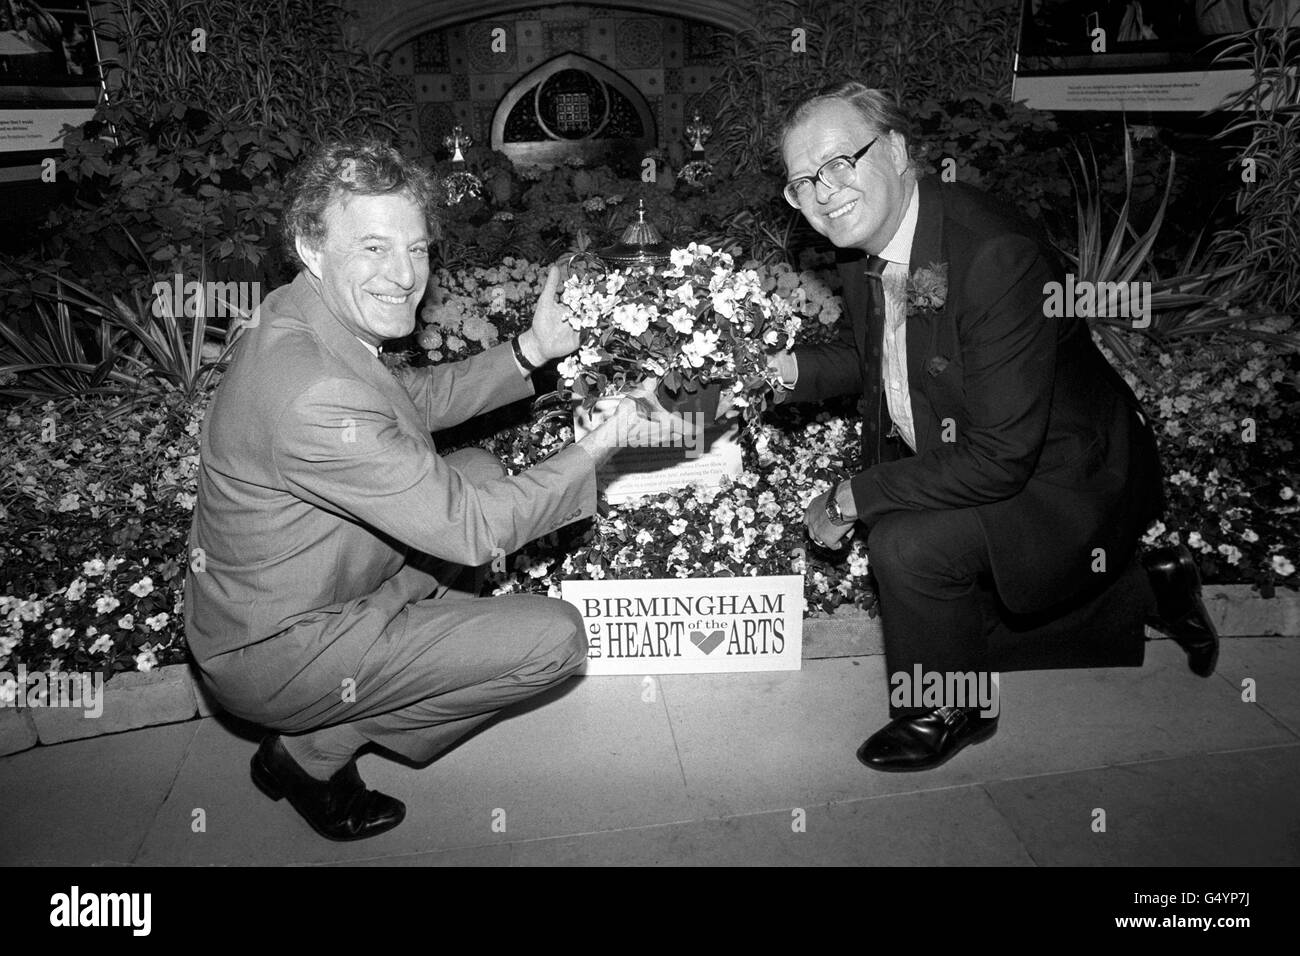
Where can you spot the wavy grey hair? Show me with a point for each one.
(357, 167)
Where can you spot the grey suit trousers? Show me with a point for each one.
(445, 664)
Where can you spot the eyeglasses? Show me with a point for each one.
(836, 173)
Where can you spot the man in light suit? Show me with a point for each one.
(328, 530)
(1007, 469)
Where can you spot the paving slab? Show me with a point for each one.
(1227, 809)
(937, 828)
(591, 756)
(754, 742)
(88, 801)
(1273, 664)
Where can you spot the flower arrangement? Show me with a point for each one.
(95, 511)
(700, 322)
(1223, 409)
(749, 525)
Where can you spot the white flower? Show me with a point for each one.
(1282, 566)
(60, 636)
(681, 320)
(569, 369)
(126, 622)
(1249, 536)
(859, 565)
(158, 621)
(701, 346)
(106, 604)
(70, 502)
(143, 587)
(1231, 553)
(76, 590)
(595, 571)
(146, 660)
(678, 526)
(1286, 493)
(1194, 540)
(93, 568)
(102, 645)
(632, 319)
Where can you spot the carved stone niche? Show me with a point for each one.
(573, 106)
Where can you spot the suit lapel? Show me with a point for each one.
(923, 329)
(345, 347)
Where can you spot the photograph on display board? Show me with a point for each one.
(1134, 54)
(49, 75)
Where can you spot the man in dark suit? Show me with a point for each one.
(329, 533)
(1007, 470)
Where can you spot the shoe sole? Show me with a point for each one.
(976, 738)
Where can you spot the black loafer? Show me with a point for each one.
(924, 741)
(340, 808)
(1180, 611)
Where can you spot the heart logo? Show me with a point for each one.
(706, 642)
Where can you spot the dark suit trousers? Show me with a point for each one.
(940, 610)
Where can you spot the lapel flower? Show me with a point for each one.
(927, 288)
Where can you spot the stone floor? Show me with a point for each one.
(734, 769)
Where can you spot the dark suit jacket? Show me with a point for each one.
(319, 481)
(1051, 447)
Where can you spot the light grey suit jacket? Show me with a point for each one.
(319, 481)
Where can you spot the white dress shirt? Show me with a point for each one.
(373, 349)
(893, 364)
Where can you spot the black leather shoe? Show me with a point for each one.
(924, 741)
(1180, 611)
(340, 808)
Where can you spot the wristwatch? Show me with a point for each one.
(833, 507)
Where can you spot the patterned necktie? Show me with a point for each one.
(872, 392)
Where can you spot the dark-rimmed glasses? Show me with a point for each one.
(836, 172)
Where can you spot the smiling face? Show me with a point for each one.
(866, 213)
(373, 264)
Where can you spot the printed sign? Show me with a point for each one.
(1134, 92)
(691, 625)
(702, 456)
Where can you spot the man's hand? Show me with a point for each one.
(786, 367)
(550, 336)
(639, 421)
(821, 529)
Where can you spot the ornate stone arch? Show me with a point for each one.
(572, 105)
(387, 24)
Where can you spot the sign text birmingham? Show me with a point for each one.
(687, 606)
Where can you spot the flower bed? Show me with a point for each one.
(95, 506)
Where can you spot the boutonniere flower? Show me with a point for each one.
(927, 288)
